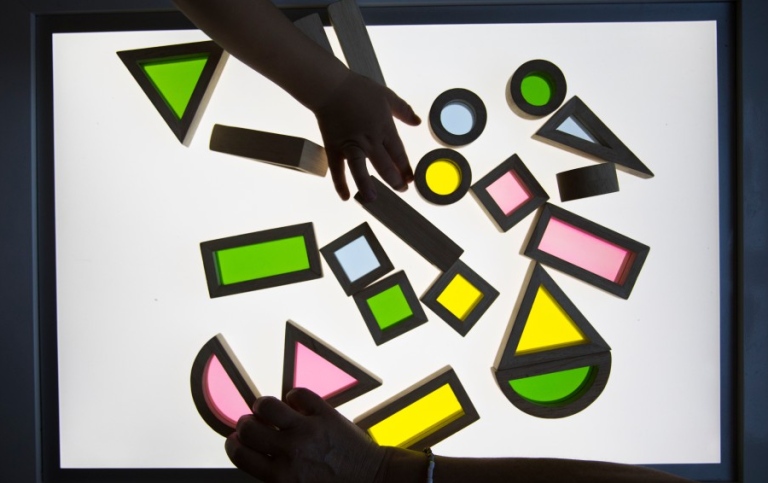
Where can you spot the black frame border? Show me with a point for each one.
(208, 250)
(462, 96)
(461, 326)
(293, 333)
(538, 195)
(447, 376)
(638, 251)
(587, 181)
(417, 318)
(329, 253)
(420, 176)
(538, 66)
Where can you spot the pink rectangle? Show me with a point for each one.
(508, 192)
(584, 250)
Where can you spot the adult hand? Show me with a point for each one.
(303, 440)
(356, 123)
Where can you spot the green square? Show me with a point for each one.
(389, 307)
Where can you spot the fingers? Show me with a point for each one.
(276, 413)
(402, 110)
(252, 462)
(396, 150)
(389, 172)
(258, 436)
(359, 169)
(306, 402)
(336, 165)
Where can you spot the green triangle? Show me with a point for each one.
(175, 79)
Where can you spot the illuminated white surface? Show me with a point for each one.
(132, 206)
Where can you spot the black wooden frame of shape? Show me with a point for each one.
(608, 148)
(434, 383)
(466, 98)
(417, 318)
(589, 391)
(218, 346)
(595, 180)
(208, 250)
(29, 297)
(329, 253)
(420, 176)
(273, 148)
(411, 226)
(540, 278)
(554, 77)
(629, 272)
(133, 58)
(461, 326)
(349, 25)
(295, 334)
(538, 195)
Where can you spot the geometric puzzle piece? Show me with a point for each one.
(586, 250)
(548, 326)
(588, 181)
(309, 363)
(175, 78)
(349, 25)
(538, 87)
(221, 389)
(443, 176)
(261, 259)
(422, 416)
(577, 127)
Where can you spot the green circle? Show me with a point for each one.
(536, 89)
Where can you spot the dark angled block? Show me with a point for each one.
(262, 259)
(538, 87)
(390, 308)
(577, 127)
(286, 151)
(596, 180)
(460, 297)
(215, 355)
(348, 23)
(443, 409)
(463, 99)
(509, 193)
(586, 250)
(312, 26)
(451, 168)
(549, 326)
(357, 259)
(579, 380)
(411, 227)
(176, 79)
(336, 379)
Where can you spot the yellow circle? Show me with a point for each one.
(443, 177)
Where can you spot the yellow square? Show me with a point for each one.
(460, 297)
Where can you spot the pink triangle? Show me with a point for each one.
(221, 394)
(318, 374)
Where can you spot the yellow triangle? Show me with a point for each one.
(548, 326)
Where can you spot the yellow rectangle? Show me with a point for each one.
(418, 420)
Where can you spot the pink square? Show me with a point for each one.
(508, 192)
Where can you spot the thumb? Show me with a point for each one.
(306, 402)
(402, 110)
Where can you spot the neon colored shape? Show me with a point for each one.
(536, 89)
(443, 177)
(357, 259)
(553, 387)
(222, 396)
(584, 249)
(460, 297)
(509, 192)
(574, 128)
(457, 118)
(418, 420)
(260, 260)
(318, 374)
(389, 307)
(175, 79)
(548, 326)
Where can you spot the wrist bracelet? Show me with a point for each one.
(431, 464)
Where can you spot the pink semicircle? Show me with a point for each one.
(222, 396)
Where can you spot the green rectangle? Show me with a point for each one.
(389, 307)
(262, 260)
